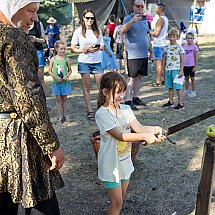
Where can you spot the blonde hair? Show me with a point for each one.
(190, 34)
(104, 29)
(57, 44)
(173, 31)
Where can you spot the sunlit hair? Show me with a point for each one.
(110, 81)
(104, 30)
(190, 34)
(162, 6)
(120, 19)
(173, 31)
(94, 25)
(57, 44)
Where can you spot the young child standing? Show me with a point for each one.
(190, 64)
(118, 37)
(108, 61)
(60, 70)
(173, 64)
(115, 121)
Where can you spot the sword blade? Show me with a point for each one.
(189, 122)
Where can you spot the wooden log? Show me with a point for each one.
(206, 178)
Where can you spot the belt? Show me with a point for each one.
(11, 115)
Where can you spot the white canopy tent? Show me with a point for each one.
(207, 26)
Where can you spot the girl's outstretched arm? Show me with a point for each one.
(129, 137)
(138, 128)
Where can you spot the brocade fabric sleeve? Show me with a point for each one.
(25, 89)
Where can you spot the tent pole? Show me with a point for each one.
(123, 5)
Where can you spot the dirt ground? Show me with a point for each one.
(166, 176)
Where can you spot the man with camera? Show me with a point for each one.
(137, 44)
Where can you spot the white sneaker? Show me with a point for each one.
(186, 92)
(192, 94)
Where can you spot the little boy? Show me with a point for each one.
(173, 64)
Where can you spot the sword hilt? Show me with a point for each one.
(145, 143)
(165, 132)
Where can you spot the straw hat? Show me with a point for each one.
(51, 20)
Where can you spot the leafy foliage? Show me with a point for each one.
(47, 3)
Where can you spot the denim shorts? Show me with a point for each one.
(109, 185)
(169, 77)
(61, 88)
(158, 52)
(41, 58)
(119, 54)
(92, 68)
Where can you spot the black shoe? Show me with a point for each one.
(179, 107)
(131, 104)
(138, 101)
(168, 104)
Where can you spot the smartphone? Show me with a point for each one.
(144, 17)
(97, 46)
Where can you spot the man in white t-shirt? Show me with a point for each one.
(159, 34)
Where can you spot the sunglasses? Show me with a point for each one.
(88, 18)
(139, 5)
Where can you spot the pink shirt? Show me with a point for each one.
(189, 54)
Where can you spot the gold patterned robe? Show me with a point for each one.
(25, 141)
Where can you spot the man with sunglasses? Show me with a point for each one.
(137, 43)
(159, 34)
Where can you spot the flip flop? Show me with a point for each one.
(156, 84)
(91, 116)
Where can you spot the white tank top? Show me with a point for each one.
(160, 40)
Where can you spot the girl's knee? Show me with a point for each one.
(117, 204)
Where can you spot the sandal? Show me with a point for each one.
(156, 84)
(91, 116)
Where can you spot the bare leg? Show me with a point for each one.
(130, 85)
(187, 83)
(65, 105)
(120, 64)
(117, 196)
(171, 94)
(98, 78)
(180, 97)
(193, 83)
(158, 64)
(86, 91)
(136, 86)
(58, 105)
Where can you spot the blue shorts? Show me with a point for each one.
(41, 58)
(158, 52)
(109, 185)
(119, 54)
(92, 68)
(61, 88)
(169, 77)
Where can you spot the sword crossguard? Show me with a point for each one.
(165, 132)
